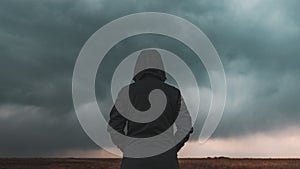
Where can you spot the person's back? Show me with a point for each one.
(139, 93)
(149, 75)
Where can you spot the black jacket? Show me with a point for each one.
(150, 75)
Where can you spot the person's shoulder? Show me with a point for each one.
(172, 88)
(124, 89)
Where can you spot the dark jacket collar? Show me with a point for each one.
(159, 74)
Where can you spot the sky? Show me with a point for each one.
(257, 41)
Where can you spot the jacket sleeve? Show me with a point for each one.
(116, 125)
(183, 124)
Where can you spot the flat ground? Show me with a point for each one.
(203, 163)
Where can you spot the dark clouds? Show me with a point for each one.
(28, 131)
(39, 42)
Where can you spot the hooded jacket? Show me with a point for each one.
(148, 75)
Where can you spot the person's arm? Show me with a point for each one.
(116, 124)
(183, 124)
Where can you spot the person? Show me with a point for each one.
(149, 74)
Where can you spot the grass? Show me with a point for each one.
(193, 163)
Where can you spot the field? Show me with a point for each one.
(203, 163)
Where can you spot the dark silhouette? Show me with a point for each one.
(149, 75)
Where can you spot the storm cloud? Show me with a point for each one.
(258, 43)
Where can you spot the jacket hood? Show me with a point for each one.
(149, 62)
